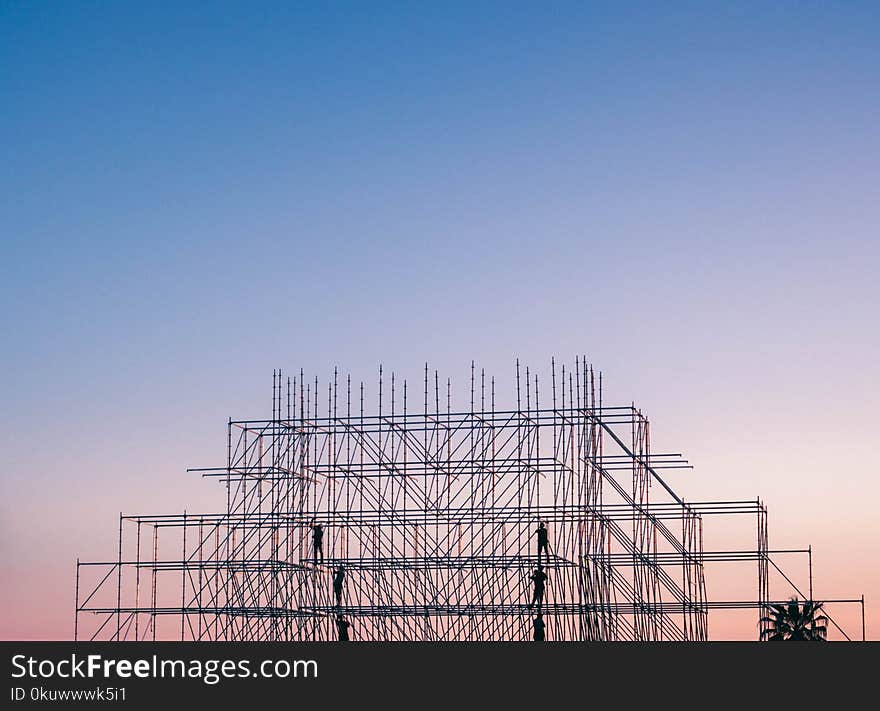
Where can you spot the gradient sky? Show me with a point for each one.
(193, 194)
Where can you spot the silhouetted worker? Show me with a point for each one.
(542, 539)
(538, 626)
(337, 585)
(318, 541)
(538, 577)
(342, 626)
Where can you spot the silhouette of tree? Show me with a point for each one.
(794, 621)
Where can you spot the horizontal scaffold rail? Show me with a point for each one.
(548, 514)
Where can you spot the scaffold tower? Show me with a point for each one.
(543, 518)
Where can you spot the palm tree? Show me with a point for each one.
(795, 622)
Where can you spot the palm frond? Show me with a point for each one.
(794, 621)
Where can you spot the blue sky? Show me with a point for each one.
(194, 194)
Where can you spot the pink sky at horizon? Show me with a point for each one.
(43, 591)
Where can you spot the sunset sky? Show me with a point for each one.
(686, 192)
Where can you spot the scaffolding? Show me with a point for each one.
(424, 522)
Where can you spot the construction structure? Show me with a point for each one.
(545, 518)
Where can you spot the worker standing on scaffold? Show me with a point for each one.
(342, 626)
(538, 626)
(538, 577)
(318, 542)
(541, 532)
(338, 579)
